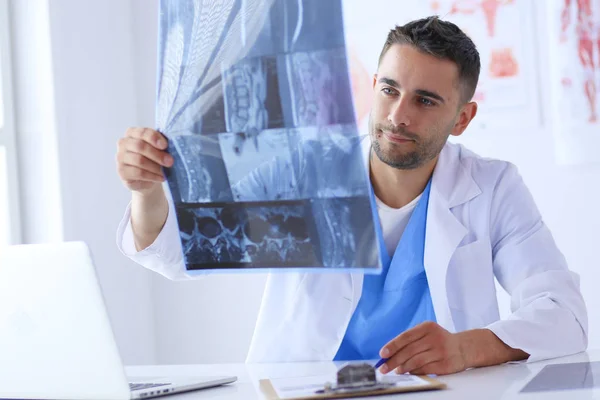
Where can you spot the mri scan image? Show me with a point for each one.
(238, 235)
(255, 99)
(306, 25)
(344, 228)
(332, 163)
(243, 153)
(198, 174)
(318, 94)
(251, 93)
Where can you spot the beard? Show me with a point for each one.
(394, 155)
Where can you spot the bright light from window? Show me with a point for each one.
(1, 97)
(5, 221)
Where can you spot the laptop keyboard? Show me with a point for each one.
(141, 386)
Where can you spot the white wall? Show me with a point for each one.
(104, 64)
(76, 97)
(95, 102)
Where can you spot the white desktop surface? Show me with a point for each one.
(498, 382)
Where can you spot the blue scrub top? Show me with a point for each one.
(396, 300)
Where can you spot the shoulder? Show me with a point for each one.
(487, 172)
(502, 190)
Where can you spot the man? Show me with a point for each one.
(449, 222)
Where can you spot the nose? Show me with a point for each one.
(400, 112)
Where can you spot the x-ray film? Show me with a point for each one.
(255, 99)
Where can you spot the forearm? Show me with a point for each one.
(482, 348)
(148, 215)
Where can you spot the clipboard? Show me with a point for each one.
(270, 393)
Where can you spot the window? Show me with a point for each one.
(9, 205)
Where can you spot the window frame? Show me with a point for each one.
(7, 131)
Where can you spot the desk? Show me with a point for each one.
(498, 382)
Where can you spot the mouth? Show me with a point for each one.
(394, 138)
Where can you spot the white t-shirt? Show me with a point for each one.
(394, 221)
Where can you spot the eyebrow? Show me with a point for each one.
(420, 92)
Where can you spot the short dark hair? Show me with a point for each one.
(443, 40)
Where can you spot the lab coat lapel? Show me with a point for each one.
(452, 185)
(442, 235)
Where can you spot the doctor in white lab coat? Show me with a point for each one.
(481, 223)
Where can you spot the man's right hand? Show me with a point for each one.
(140, 156)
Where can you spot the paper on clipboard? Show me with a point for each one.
(299, 388)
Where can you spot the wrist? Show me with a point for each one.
(149, 211)
(482, 348)
(152, 194)
(465, 349)
(475, 347)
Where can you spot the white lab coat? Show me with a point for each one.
(482, 222)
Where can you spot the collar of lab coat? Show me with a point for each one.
(451, 186)
(451, 180)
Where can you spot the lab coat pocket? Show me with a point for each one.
(471, 289)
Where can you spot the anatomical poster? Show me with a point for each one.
(497, 27)
(574, 27)
(255, 98)
(502, 30)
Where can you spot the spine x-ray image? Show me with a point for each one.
(255, 99)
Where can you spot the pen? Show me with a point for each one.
(381, 362)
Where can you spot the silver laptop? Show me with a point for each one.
(56, 341)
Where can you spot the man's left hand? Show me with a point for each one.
(425, 349)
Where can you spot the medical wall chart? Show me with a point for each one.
(574, 27)
(255, 98)
(503, 31)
